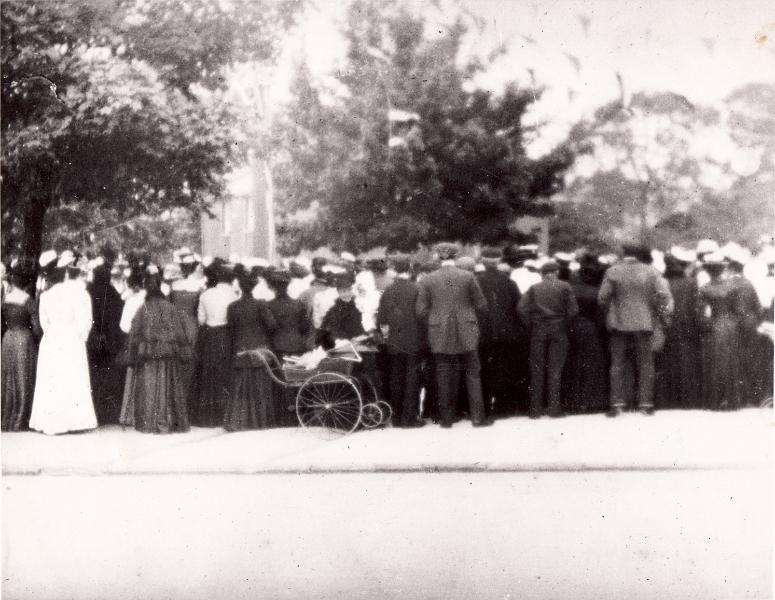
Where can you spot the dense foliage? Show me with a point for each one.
(402, 149)
(115, 108)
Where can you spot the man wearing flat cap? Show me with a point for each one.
(448, 302)
(549, 307)
(398, 322)
(501, 331)
(637, 300)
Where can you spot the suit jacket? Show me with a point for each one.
(448, 301)
(549, 301)
(250, 326)
(294, 325)
(635, 296)
(397, 310)
(500, 322)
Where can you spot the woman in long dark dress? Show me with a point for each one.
(677, 365)
(158, 347)
(103, 345)
(586, 371)
(19, 350)
(214, 373)
(185, 297)
(718, 339)
(251, 324)
(294, 327)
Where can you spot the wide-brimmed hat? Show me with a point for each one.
(491, 253)
(707, 246)
(681, 254)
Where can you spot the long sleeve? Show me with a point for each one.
(525, 307)
(606, 292)
(267, 318)
(665, 304)
(477, 297)
(83, 314)
(571, 305)
(201, 312)
(422, 306)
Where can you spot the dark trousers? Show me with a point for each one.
(449, 369)
(498, 378)
(638, 343)
(405, 387)
(430, 405)
(548, 350)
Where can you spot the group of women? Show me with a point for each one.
(161, 358)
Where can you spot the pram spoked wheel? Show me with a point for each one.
(370, 396)
(331, 401)
(372, 415)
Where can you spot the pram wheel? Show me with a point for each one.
(331, 401)
(372, 415)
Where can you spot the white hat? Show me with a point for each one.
(347, 256)
(767, 254)
(706, 246)
(66, 259)
(207, 261)
(738, 254)
(251, 261)
(564, 256)
(333, 269)
(682, 254)
(714, 258)
(533, 264)
(47, 257)
(95, 262)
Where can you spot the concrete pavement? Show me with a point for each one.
(668, 440)
(678, 505)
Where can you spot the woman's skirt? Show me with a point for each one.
(251, 403)
(159, 397)
(208, 403)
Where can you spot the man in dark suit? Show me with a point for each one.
(397, 321)
(448, 302)
(636, 298)
(549, 306)
(500, 328)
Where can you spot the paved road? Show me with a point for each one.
(596, 534)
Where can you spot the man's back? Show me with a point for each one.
(501, 321)
(397, 310)
(449, 299)
(633, 294)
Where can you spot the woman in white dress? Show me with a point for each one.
(62, 401)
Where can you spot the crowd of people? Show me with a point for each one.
(122, 340)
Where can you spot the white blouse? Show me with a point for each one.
(213, 304)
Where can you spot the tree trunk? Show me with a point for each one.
(32, 228)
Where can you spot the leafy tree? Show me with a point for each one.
(116, 108)
(665, 171)
(403, 149)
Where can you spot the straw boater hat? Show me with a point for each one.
(707, 246)
(681, 254)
